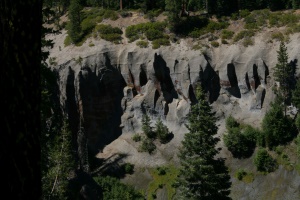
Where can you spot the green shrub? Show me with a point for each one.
(109, 33)
(240, 143)
(125, 13)
(112, 188)
(297, 122)
(110, 14)
(87, 25)
(264, 162)
(224, 41)
(67, 41)
(215, 44)
(240, 174)
(226, 34)
(91, 44)
(153, 34)
(142, 44)
(162, 131)
(244, 13)
(153, 30)
(243, 34)
(158, 42)
(298, 145)
(161, 171)
(231, 122)
(136, 137)
(128, 168)
(277, 36)
(147, 146)
(214, 26)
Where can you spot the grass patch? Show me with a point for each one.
(162, 176)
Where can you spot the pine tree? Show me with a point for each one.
(162, 131)
(55, 181)
(75, 19)
(173, 7)
(146, 126)
(282, 74)
(202, 176)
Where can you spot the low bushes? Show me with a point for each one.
(240, 140)
(109, 33)
(264, 162)
(142, 44)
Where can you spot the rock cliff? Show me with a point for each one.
(106, 88)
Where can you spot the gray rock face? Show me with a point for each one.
(113, 86)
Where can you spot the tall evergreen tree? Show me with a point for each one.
(173, 8)
(75, 19)
(282, 74)
(61, 162)
(202, 176)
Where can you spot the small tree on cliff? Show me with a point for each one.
(202, 176)
(146, 127)
(282, 74)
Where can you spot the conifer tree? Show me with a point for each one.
(202, 176)
(75, 19)
(146, 126)
(162, 131)
(282, 74)
(61, 163)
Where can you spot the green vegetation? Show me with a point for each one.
(136, 137)
(158, 42)
(277, 128)
(163, 176)
(244, 176)
(264, 162)
(215, 44)
(243, 34)
(60, 162)
(277, 36)
(226, 34)
(147, 146)
(240, 140)
(152, 30)
(74, 30)
(114, 189)
(146, 126)
(128, 168)
(201, 174)
(142, 44)
(109, 33)
(162, 131)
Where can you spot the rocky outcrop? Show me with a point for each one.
(112, 86)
